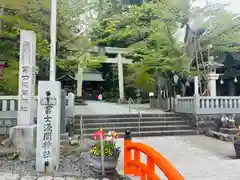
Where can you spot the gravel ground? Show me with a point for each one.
(75, 165)
(71, 166)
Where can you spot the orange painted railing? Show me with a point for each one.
(134, 166)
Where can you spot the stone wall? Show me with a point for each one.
(205, 124)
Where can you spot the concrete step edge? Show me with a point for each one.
(128, 118)
(137, 122)
(150, 132)
(142, 127)
(128, 114)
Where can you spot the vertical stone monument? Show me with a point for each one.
(23, 135)
(63, 112)
(48, 127)
(27, 77)
(70, 106)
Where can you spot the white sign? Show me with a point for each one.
(48, 126)
(151, 94)
(26, 78)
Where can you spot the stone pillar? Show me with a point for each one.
(63, 112)
(71, 106)
(196, 85)
(23, 135)
(120, 77)
(212, 78)
(48, 127)
(79, 78)
(27, 77)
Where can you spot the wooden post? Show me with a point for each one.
(102, 155)
(137, 159)
(150, 164)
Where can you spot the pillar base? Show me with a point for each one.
(122, 101)
(24, 139)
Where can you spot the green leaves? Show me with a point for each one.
(148, 30)
(9, 81)
(43, 48)
(35, 15)
(223, 26)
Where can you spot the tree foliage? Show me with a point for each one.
(35, 15)
(222, 26)
(10, 74)
(148, 31)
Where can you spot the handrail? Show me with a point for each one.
(130, 101)
(133, 165)
(144, 170)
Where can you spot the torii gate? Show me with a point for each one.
(118, 60)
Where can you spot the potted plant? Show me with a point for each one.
(236, 143)
(110, 151)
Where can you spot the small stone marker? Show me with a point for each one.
(71, 105)
(48, 127)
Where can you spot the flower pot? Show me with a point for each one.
(237, 147)
(90, 143)
(110, 163)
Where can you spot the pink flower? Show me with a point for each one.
(97, 134)
(238, 133)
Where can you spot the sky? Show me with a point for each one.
(234, 6)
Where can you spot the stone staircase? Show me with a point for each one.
(141, 125)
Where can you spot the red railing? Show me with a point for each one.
(134, 166)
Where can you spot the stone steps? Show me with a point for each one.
(153, 133)
(134, 128)
(123, 115)
(127, 119)
(140, 125)
(129, 124)
(229, 131)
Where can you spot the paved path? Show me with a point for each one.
(96, 107)
(194, 161)
(195, 157)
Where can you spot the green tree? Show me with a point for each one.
(16, 15)
(9, 75)
(72, 42)
(148, 31)
(222, 26)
